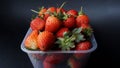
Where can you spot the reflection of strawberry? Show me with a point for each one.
(37, 24)
(70, 22)
(45, 40)
(38, 56)
(72, 12)
(82, 46)
(73, 63)
(61, 32)
(48, 65)
(31, 40)
(55, 58)
(52, 24)
(82, 18)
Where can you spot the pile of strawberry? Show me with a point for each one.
(59, 29)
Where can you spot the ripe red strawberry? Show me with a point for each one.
(48, 65)
(51, 9)
(82, 46)
(70, 22)
(84, 26)
(61, 32)
(37, 24)
(31, 40)
(82, 18)
(52, 24)
(55, 58)
(72, 12)
(42, 11)
(73, 63)
(45, 40)
(46, 15)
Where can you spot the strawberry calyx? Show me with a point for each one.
(66, 16)
(87, 32)
(68, 41)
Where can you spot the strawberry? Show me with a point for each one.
(60, 32)
(46, 15)
(73, 63)
(31, 40)
(54, 58)
(84, 26)
(70, 22)
(82, 18)
(52, 24)
(45, 40)
(43, 14)
(42, 11)
(51, 9)
(82, 46)
(48, 65)
(37, 24)
(72, 12)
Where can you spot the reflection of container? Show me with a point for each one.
(37, 57)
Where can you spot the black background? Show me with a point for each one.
(15, 16)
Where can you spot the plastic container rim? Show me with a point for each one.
(42, 52)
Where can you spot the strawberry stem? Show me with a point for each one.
(62, 5)
(81, 11)
(34, 11)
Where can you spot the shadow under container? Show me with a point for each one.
(59, 59)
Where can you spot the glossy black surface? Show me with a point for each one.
(104, 16)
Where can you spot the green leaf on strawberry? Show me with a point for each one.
(77, 30)
(88, 31)
(60, 15)
(68, 40)
(77, 33)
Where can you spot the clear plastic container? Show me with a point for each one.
(62, 59)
